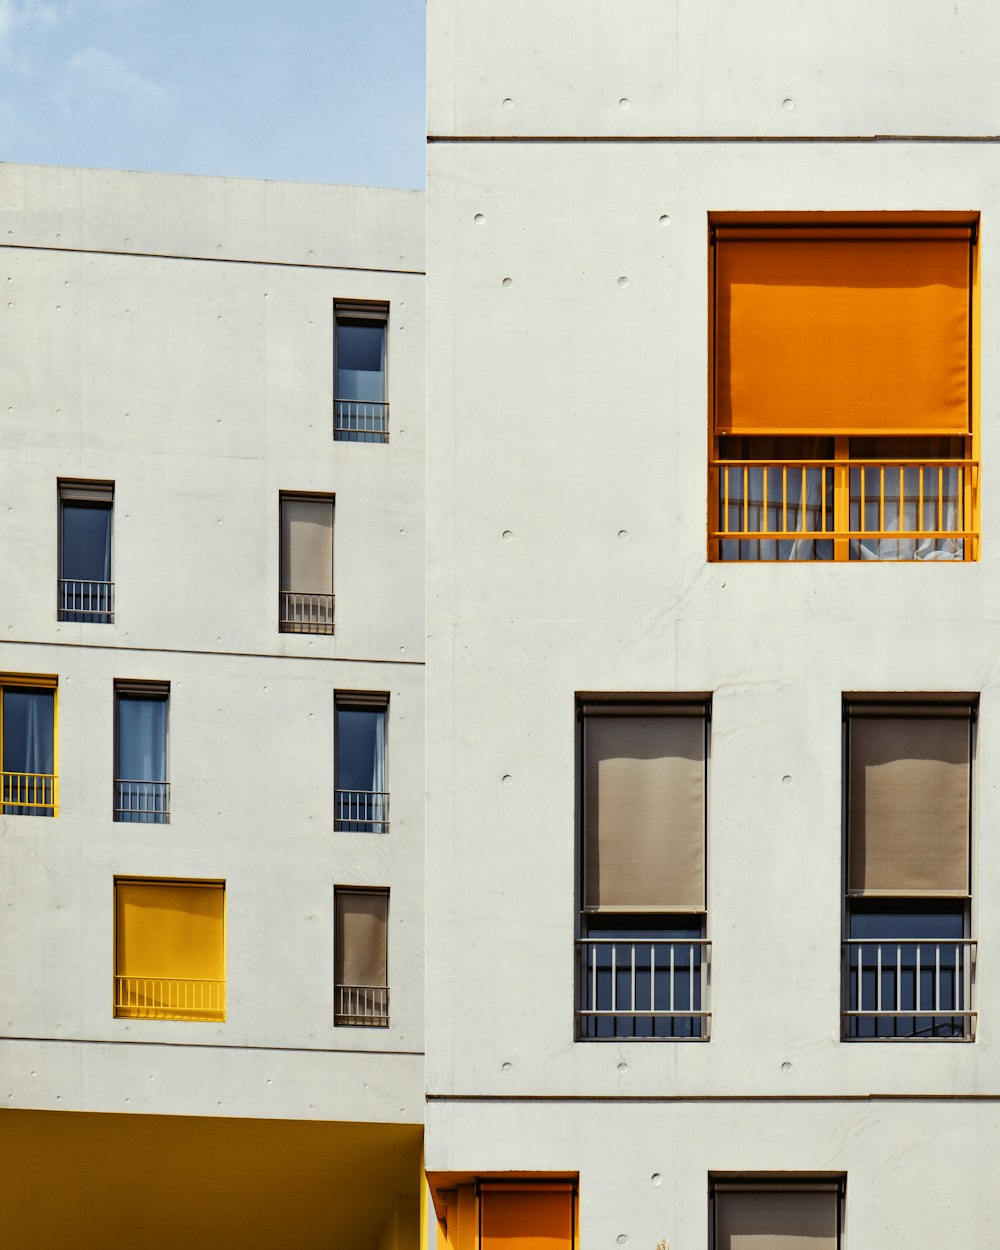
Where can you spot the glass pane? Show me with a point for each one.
(86, 542)
(28, 752)
(359, 734)
(361, 360)
(142, 738)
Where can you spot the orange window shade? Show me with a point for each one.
(169, 930)
(842, 331)
(527, 1219)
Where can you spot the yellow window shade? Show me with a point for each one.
(842, 330)
(532, 1218)
(170, 930)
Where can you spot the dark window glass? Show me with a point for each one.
(362, 794)
(85, 589)
(361, 360)
(28, 752)
(141, 787)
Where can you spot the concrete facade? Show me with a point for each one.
(576, 156)
(175, 336)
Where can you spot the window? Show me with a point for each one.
(361, 413)
(86, 588)
(28, 738)
(842, 401)
(361, 792)
(909, 958)
(142, 791)
(780, 1213)
(170, 950)
(642, 951)
(361, 982)
(306, 598)
(542, 1213)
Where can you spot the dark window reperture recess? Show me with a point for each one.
(86, 589)
(361, 409)
(361, 782)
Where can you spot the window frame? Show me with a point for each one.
(776, 1182)
(855, 903)
(318, 615)
(344, 312)
(218, 1015)
(844, 472)
(151, 690)
(97, 493)
(34, 681)
(589, 921)
(362, 701)
(360, 1018)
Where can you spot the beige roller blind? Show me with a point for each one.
(908, 805)
(361, 937)
(307, 545)
(776, 1220)
(644, 813)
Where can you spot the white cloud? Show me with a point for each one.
(94, 77)
(24, 17)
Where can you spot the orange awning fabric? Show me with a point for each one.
(530, 1218)
(843, 330)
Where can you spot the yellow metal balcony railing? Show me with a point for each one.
(169, 998)
(29, 794)
(844, 510)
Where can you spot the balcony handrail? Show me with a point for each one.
(178, 998)
(634, 941)
(366, 1005)
(75, 592)
(306, 611)
(865, 461)
(139, 797)
(908, 941)
(882, 974)
(20, 789)
(678, 965)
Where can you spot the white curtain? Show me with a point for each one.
(899, 500)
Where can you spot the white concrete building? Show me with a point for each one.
(696, 271)
(709, 884)
(185, 737)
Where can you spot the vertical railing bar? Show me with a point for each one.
(672, 983)
(878, 978)
(724, 527)
(746, 499)
(652, 977)
(632, 1003)
(899, 978)
(937, 978)
(614, 978)
(691, 978)
(918, 979)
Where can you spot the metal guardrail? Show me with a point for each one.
(361, 811)
(86, 601)
(917, 988)
(918, 509)
(169, 998)
(360, 421)
(142, 802)
(301, 612)
(29, 794)
(362, 1004)
(653, 988)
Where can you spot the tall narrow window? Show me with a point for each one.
(909, 957)
(170, 951)
(642, 947)
(142, 791)
(28, 741)
(86, 588)
(789, 1213)
(361, 411)
(361, 959)
(306, 600)
(361, 786)
(843, 424)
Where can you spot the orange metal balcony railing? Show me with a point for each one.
(844, 510)
(169, 998)
(29, 794)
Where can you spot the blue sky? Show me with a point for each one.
(320, 91)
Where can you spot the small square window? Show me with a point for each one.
(361, 409)
(361, 982)
(361, 787)
(170, 952)
(86, 584)
(142, 791)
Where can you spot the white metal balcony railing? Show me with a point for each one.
(170, 998)
(361, 811)
(915, 988)
(86, 601)
(29, 794)
(845, 509)
(360, 421)
(300, 612)
(362, 1004)
(142, 802)
(650, 988)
